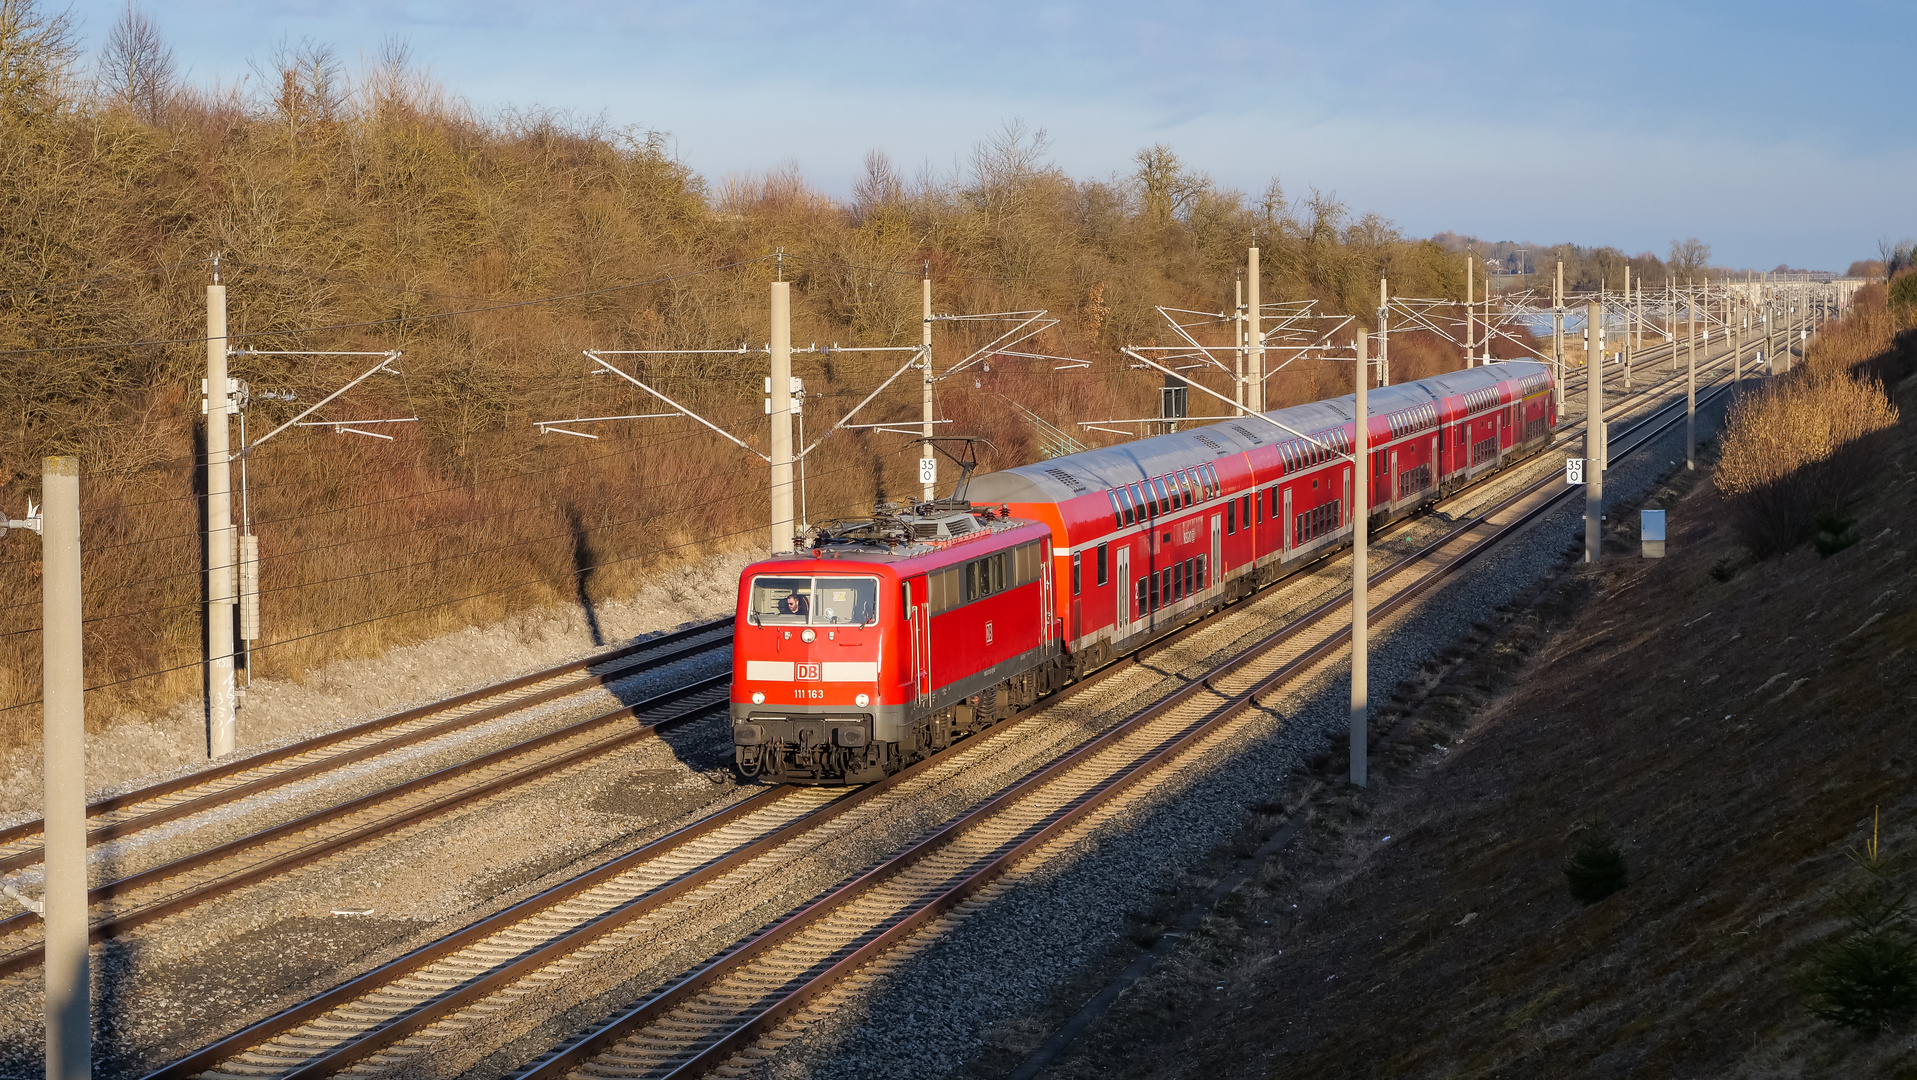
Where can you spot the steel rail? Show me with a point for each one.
(267, 758)
(257, 872)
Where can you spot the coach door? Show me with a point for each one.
(1345, 508)
(1395, 483)
(921, 642)
(1217, 572)
(1047, 614)
(1290, 540)
(1123, 587)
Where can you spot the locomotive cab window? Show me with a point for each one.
(826, 601)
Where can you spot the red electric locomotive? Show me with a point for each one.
(887, 639)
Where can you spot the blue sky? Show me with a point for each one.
(1778, 133)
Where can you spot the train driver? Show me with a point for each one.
(794, 605)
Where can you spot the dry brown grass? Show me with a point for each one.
(1801, 447)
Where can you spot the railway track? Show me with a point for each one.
(714, 1014)
(378, 1021)
(138, 898)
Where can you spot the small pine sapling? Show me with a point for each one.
(1596, 868)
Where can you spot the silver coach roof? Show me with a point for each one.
(1062, 478)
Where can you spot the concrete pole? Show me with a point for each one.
(1384, 339)
(928, 492)
(1360, 578)
(1243, 342)
(1593, 437)
(1628, 328)
(1690, 401)
(1733, 309)
(782, 510)
(68, 982)
(1470, 329)
(1557, 335)
(220, 700)
(1255, 330)
(1637, 316)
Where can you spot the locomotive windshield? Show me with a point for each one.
(805, 601)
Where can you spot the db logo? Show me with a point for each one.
(808, 672)
(988, 633)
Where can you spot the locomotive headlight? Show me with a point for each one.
(758, 697)
(862, 700)
(807, 635)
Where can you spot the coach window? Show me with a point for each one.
(1075, 558)
(1244, 512)
(1118, 516)
(1103, 561)
(777, 600)
(1190, 485)
(1259, 503)
(1164, 497)
(840, 601)
(821, 602)
(1125, 502)
(1231, 517)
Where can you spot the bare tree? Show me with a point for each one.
(311, 82)
(1169, 187)
(879, 189)
(36, 55)
(136, 66)
(1005, 165)
(1898, 256)
(1689, 258)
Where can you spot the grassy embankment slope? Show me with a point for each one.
(1733, 722)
